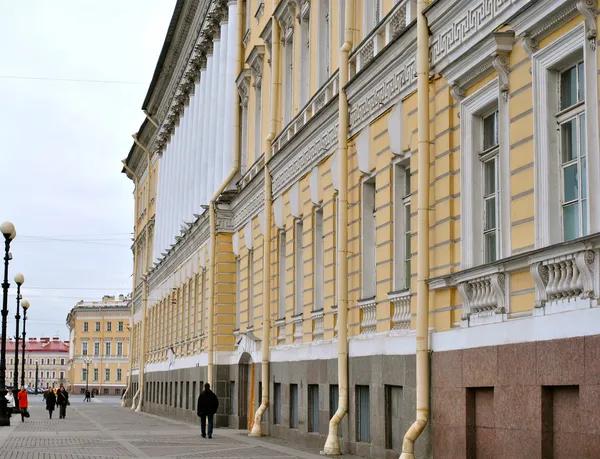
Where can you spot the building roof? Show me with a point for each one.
(40, 345)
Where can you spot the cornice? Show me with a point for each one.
(248, 202)
(314, 142)
(386, 80)
(456, 28)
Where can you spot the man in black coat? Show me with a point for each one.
(208, 403)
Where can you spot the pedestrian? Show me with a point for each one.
(208, 403)
(50, 402)
(23, 405)
(87, 396)
(62, 400)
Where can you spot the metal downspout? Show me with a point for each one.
(266, 341)
(212, 212)
(422, 345)
(332, 444)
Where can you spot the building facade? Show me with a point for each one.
(46, 359)
(355, 209)
(99, 353)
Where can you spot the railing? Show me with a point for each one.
(400, 310)
(565, 277)
(280, 324)
(327, 92)
(389, 28)
(368, 316)
(318, 325)
(483, 295)
(297, 321)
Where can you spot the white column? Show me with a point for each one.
(158, 219)
(168, 208)
(230, 87)
(187, 186)
(193, 166)
(176, 182)
(221, 107)
(206, 127)
(212, 138)
(199, 187)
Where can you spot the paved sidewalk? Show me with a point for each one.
(104, 430)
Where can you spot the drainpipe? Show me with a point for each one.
(332, 445)
(212, 211)
(127, 390)
(266, 341)
(408, 446)
(142, 365)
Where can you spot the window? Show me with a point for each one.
(299, 267)
(341, 23)
(119, 374)
(85, 326)
(120, 326)
(95, 374)
(368, 239)
(97, 348)
(108, 326)
(62, 375)
(304, 55)
(282, 273)
(248, 14)
(313, 407)
(187, 395)
(363, 414)
(288, 79)
(193, 394)
(324, 40)
(83, 374)
(485, 176)
(97, 326)
(276, 403)
(257, 120)
(54, 375)
(491, 187)
(250, 288)
(565, 131)
(47, 375)
(107, 349)
(372, 15)
(30, 374)
(402, 233)
(119, 349)
(293, 406)
(573, 157)
(393, 418)
(84, 350)
(233, 396)
(62, 361)
(181, 396)
(319, 270)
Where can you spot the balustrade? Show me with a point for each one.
(297, 321)
(483, 295)
(400, 310)
(318, 325)
(368, 317)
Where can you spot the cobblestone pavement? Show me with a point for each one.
(104, 430)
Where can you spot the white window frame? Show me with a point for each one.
(546, 64)
(107, 349)
(305, 61)
(288, 79)
(86, 327)
(96, 375)
(282, 273)
(107, 374)
(238, 302)
(109, 326)
(369, 237)
(472, 109)
(258, 101)
(84, 349)
(324, 37)
(402, 201)
(119, 374)
(319, 262)
(121, 326)
(98, 326)
(299, 266)
(487, 155)
(372, 14)
(119, 348)
(97, 346)
(250, 288)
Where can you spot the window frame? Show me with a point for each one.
(402, 228)
(369, 216)
(282, 273)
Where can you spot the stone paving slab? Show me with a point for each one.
(104, 430)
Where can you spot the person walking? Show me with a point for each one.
(208, 403)
(87, 396)
(50, 402)
(62, 400)
(23, 405)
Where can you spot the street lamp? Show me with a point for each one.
(25, 305)
(87, 362)
(8, 231)
(19, 279)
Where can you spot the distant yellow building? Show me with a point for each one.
(377, 208)
(99, 337)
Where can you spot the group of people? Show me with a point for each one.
(58, 398)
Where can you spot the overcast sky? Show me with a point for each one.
(62, 143)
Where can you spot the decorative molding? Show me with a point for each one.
(266, 35)
(530, 44)
(255, 61)
(483, 295)
(588, 9)
(243, 85)
(248, 202)
(285, 13)
(260, 10)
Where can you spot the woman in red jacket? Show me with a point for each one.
(23, 405)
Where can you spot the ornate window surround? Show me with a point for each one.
(547, 202)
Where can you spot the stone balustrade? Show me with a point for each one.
(400, 310)
(297, 322)
(318, 325)
(368, 316)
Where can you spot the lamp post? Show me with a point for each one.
(25, 304)
(87, 362)
(19, 279)
(8, 231)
